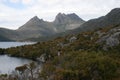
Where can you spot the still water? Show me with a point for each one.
(8, 64)
(14, 44)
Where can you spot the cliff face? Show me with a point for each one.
(65, 22)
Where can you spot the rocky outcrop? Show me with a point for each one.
(111, 38)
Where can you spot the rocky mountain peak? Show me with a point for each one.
(61, 15)
(62, 18)
(35, 19)
(74, 16)
(33, 22)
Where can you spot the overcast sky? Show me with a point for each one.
(14, 13)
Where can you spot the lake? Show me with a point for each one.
(8, 64)
(14, 44)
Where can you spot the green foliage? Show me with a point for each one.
(85, 65)
(2, 51)
(82, 59)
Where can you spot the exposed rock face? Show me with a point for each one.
(67, 18)
(67, 21)
(111, 38)
(60, 19)
(72, 39)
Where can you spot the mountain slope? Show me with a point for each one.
(36, 27)
(111, 19)
(4, 38)
(8, 34)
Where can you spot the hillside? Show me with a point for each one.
(85, 56)
(111, 19)
(8, 34)
(4, 39)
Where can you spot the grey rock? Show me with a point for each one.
(72, 39)
(67, 21)
(99, 33)
(111, 39)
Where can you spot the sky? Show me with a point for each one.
(15, 13)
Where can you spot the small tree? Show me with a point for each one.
(31, 67)
(21, 70)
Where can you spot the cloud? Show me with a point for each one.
(22, 1)
(14, 17)
(28, 2)
(14, 1)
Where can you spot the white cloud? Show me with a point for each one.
(28, 2)
(14, 1)
(48, 9)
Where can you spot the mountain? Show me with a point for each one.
(37, 28)
(61, 23)
(65, 22)
(111, 19)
